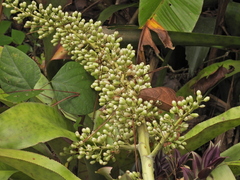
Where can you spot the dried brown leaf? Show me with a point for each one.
(161, 32)
(162, 96)
(61, 53)
(145, 39)
(210, 81)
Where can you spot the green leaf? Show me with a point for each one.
(232, 153)
(27, 124)
(209, 129)
(178, 15)
(47, 95)
(73, 79)
(232, 18)
(4, 40)
(234, 166)
(17, 71)
(186, 90)
(222, 172)
(20, 176)
(36, 166)
(5, 175)
(4, 26)
(17, 97)
(131, 36)
(4, 100)
(18, 36)
(24, 48)
(196, 55)
(57, 145)
(106, 13)
(6, 171)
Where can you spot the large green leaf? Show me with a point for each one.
(72, 78)
(27, 124)
(232, 159)
(17, 70)
(36, 166)
(232, 153)
(234, 166)
(6, 171)
(4, 100)
(195, 55)
(131, 36)
(222, 172)
(106, 13)
(22, 95)
(178, 15)
(47, 95)
(232, 18)
(209, 129)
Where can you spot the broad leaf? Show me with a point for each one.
(18, 36)
(106, 13)
(178, 15)
(6, 171)
(22, 95)
(47, 95)
(76, 96)
(196, 55)
(27, 124)
(36, 166)
(4, 25)
(17, 70)
(131, 35)
(4, 40)
(222, 172)
(232, 18)
(209, 129)
(4, 100)
(232, 153)
(24, 48)
(234, 166)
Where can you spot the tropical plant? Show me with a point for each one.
(130, 119)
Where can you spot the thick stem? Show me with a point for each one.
(144, 151)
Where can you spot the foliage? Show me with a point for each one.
(16, 37)
(175, 165)
(125, 123)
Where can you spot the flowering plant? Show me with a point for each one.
(125, 115)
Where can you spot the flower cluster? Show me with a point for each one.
(118, 80)
(175, 121)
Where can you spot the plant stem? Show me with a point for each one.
(144, 151)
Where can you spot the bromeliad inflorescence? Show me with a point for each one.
(119, 82)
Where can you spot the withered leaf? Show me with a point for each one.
(161, 32)
(205, 83)
(146, 38)
(60, 53)
(164, 95)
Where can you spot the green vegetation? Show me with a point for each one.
(100, 116)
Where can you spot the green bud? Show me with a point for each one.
(174, 103)
(198, 92)
(194, 115)
(206, 99)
